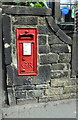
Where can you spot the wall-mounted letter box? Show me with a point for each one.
(26, 51)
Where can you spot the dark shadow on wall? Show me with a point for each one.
(4, 84)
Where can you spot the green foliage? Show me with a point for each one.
(40, 3)
(20, 3)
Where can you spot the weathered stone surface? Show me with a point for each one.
(57, 97)
(25, 87)
(52, 23)
(53, 39)
(35, 93)
(11, 97)
(49, 98)
(59, 74)
(77, 88)
(42, 40)
(76, 81)
(24, 10)
(44, 73)
(21, 80)
(61, 82)
(49, 58)
(6, 29)
(43, 30)
(54, 91)
(7, 53)
(69, 89)
(46, 99)
(29, 80)
(74, 56)
(58, 31)
(64, 37)
(54, 66)
(26, 101)
(60, 66)
(41, 20)
(65, 58)
(42, 86)
(67, 96)
(25, 20)
(20, 94)
(10, 76)
(14, 50)
(59, 48)
(44, 49)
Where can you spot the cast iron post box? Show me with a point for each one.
(26, 51)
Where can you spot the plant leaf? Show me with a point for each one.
(38, 5)
(31, 4)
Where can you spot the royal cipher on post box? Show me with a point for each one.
(26, 42)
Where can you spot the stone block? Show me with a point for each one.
(7, 53)
(21, 80)
(43, 30)
(62, 82)
(11, 97)
(76, 88)
(52, 39)
(44, 74)
(59, 74)
(69, 89)
(9, 71)
(44, 49)
(49, 58)
(25, 20)
(49, 98)
(54, 91)
(59, 48)
(60, 66)
(35, 93)
(45, 99)
(68, 96)
(25, 87)
(42, 40)
(42, 86)
(52, 23)
(26, 101)
(23, 10)
(41, 20)
(65, 58)
(64, 37)
(6, 29)
(20, 94)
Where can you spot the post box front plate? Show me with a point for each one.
(26, 42)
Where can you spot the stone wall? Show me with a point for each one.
(53, 81)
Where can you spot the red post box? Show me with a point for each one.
(26, 51)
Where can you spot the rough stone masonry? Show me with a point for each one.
(54, 80)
